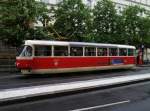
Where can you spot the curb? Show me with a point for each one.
(145, 65)
(7, 95)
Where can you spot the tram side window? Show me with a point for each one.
(90, 51)
(130, 52)
(122, 52)
(76, 51)
(101, 51)
(113, 52)
(41, 50)
(60, 51)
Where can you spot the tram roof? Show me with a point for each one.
(65, 43)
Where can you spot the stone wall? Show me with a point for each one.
(7, 57)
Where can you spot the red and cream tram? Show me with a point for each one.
(41, 57)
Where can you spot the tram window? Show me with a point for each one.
(76, 51)
(90, 51)
(60, 51)
(102, 51)
(113, 51)
(122, 52)
(130, 52)
(20, 50)
(41, 50)
(26, 52)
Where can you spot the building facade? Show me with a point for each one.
(119, 3)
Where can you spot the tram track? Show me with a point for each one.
(16, 80)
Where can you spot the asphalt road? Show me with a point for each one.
(133, 97)
(15, 80)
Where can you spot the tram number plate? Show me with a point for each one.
(117, 61)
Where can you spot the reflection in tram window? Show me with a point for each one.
(42, 50)
(90, 51)
(113, 52)
(60, 51)
(76, 51)
(101, 51)
(130, 52)
(122, 52)
(27, 51)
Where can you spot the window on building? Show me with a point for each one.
(101, 51)
(76, 51)
(113, 52)
(122, 52)
(60, 51)
(41, 50)
(90, 51)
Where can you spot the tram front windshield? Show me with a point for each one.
(26, 51)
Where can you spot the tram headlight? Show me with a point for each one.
(17, 64)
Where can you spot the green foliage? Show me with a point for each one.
(73, 20)
(132, 16)
(17, 19)
(119, 37)
(145, 31)
(104, 21)
(132, 26)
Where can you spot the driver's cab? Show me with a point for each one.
(24, 59)
(27, 51)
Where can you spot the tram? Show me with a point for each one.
(45, 57)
